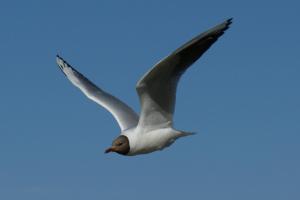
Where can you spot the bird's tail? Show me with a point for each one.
(186, 133)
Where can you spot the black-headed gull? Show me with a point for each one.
(153, 130)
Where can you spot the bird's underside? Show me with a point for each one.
(152, 130)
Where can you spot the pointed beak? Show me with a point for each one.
(110, 149)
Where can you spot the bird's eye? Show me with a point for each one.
(120, 143)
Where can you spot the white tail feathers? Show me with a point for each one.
(186, 133)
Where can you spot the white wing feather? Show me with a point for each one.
(124, 115)
(157, 88)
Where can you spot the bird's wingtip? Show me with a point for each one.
(60, 62)
(229, 21)
(59, 57)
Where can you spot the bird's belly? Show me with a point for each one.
(153, 141)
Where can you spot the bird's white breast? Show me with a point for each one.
(146, 142)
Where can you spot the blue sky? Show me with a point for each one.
(242, 98)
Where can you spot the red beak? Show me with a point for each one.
(110, 149)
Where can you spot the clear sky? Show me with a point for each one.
(242, 97)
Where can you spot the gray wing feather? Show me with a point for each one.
(157, 88)
(124, 115)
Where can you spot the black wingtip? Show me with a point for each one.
(59, 60)
(225, 25)
(59, 57)
(229, 21)
(63, 63)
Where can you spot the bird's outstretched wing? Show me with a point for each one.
(157, 88)
(124, 115)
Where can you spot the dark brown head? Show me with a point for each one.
(120, 145)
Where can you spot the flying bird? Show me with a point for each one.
(153, 129)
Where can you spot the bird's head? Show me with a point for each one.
(120, 145)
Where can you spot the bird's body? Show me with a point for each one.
(143, 141)
(153, 129)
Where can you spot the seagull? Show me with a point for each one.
(153, 129)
